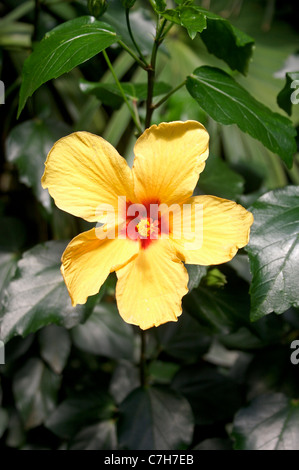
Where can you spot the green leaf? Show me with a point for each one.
(221, 38)
(27, 146)
(228, 102)
(155, 418)
(218, 179)
(195, 273)
(220, 310)
(185, 341)
(38, 295)
(3, 421)
(273, 252)
(66, 46)
(12, 238)
(55, 346)
(100, 436)
(109, 94)
(76, 412)
(35, 390)
(105, 333)
(270, 422)
(289, 94)
(214, 397)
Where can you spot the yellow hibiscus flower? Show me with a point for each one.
(88, 178)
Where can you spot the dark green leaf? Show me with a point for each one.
(214, 444)
(270, 422)
(218, 179)
(55, 346)
(273, 251)
(271, 370)
(155, 418)
(100, 436)
(220, 37)
(185, 341)
(214, 397)
(222, 310)
(195, 273)
(228, 102)
(27, 146)
(12, 238)
(66, 46)
(105, 333)
(109, 94)
(3, 421)
(75, 413)
(125, 378)
(290, 93)
(160, 5)
(35, 390)
(38, 296)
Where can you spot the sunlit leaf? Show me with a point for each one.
(270, 422)
(228, 102)
(38, 295)
(66, 46)
(273, 251)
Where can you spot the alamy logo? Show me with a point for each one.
(2, 353)
(2, 92)
(295, 94)
(295, 354)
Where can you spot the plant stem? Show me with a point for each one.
(126, 48)
(133, 39)
(142, 359)
(151, 71)
(155, 106)
(135, 119)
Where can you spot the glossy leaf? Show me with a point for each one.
(221, 310)
(213, 396)
(12, 239)
(38, 295)
(35, 390)
(195, 273)
(221, 38)
(185, 340)
(100, 436)
(270, 422)
(289, 95)
(55, 346)
(75, 413)
(220, 180)
(155, 418)
(27, 146)
(228, 102)
(273, 251)
(66, 46)
(105, 333)
(109, 94)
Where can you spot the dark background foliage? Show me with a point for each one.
(222, 376)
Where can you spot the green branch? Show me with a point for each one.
(133, 114)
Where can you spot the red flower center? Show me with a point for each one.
(143, 222)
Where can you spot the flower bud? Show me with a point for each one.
(97, 7)
(128, 3)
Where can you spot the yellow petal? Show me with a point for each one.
(83, 171)
(88, 260)
(168, 160)
(150, 288)
(224, 228)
